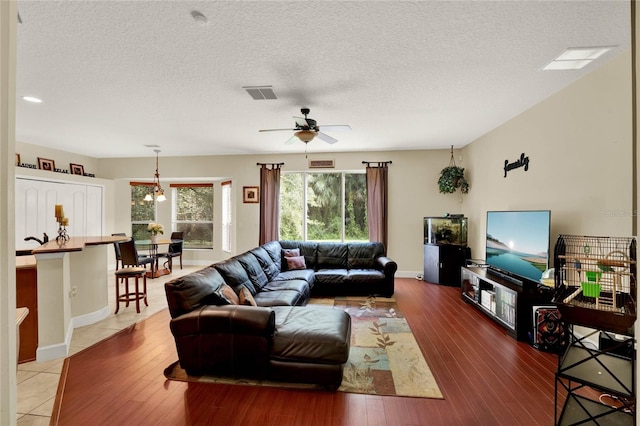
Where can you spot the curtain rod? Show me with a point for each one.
(269, 164)
(376, 162)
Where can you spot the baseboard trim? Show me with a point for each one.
(91, 318)
(59, 350)
(408, 274)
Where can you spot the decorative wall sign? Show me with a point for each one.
(523, 161)
(250, 194)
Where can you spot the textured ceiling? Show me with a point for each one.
(116, 75)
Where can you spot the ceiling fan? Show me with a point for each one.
(307, 129)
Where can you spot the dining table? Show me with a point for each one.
(152, 247)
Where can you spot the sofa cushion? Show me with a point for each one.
(311, 334)
(308, 249)
(274, 250)
(253, 269)
(363, 255)
(189, 292)
(226, 294)
(246, 298)
(297, 274)
(332, 255)
(234, 274)
(365, 276)
(331, 276)
(291, 252)
(300, 286)
(267, 264)
(280, 298)
(296, 262)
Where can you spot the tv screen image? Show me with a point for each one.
(517, 242)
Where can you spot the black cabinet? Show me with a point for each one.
(442, 263)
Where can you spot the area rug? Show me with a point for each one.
(384, 358)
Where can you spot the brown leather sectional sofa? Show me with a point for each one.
(277, 338)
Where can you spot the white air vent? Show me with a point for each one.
(322, 164)
(260, 92)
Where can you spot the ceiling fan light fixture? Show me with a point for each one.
(305, 135)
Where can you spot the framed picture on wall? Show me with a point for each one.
(76, 169)
(250, 194)
(46, 164)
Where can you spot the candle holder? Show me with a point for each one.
(62, 232)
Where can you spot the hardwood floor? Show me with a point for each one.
(486, 377)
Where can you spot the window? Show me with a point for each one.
(226, 216)
(323, 207)
(142, 212)
(193, 214)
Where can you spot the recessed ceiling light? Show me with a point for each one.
(576, 58)
(32, 99)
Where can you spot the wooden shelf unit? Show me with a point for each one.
(506, 301)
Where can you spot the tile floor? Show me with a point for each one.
(38, 382)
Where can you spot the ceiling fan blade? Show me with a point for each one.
(277, 130)
(291, 140)
(326, 138)
(335, 127)
(302, 122)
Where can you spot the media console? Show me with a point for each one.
(505, 299)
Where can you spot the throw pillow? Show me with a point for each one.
(228, 294)
(291, 252)
(296, 262)
(246, 298)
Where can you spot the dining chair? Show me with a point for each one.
(133, 266)
(175, 249)
(130, 257)
(116, 247)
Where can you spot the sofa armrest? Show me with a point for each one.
(228, 319)
(388, 266)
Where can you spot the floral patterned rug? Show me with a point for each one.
(384, 358)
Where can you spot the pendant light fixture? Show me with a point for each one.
(157, 189)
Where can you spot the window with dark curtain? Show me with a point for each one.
(377, 201)
(269, 202)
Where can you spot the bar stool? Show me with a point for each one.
(131, 268)
(129, 296)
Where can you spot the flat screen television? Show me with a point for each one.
(517, 243)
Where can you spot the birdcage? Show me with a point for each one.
(595, 281)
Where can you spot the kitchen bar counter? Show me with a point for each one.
(72, 289)
(75, 244)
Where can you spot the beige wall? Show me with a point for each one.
(413, 193)
(578, 142)
(579, 146)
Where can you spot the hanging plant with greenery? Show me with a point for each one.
(452, 178)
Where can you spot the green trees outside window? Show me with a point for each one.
(142, 212)
(323, 207)
(194, 215)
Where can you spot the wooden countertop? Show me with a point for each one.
(76, 244)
